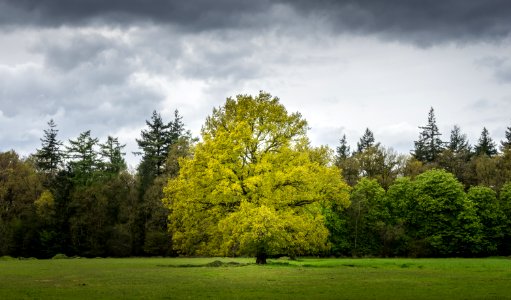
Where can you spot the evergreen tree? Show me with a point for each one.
(343, 150)
(155, 143)
(456, 156)
(429, 145)
(49, 157)
(458, 143)
(345, 161)
(111, 152)
(506, 143)
(486, 145)
(84, 158)
(366, 141)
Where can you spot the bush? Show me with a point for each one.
(60, 256)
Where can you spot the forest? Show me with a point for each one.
(253, 185)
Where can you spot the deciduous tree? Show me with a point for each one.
(254, 185)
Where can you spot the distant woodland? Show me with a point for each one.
(253, 185)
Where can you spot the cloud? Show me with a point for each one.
(420, 22)
(346, 65)
(195, 15)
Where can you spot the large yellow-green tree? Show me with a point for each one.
(254, 185)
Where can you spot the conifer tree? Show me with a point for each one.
(366, 141)
(343, 150)
(429, 145)
(506, 143)
(458, 142)
(83, 155)
(111, 152)
(486, 145)
(155, 143)
(49, 157)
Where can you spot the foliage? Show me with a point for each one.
(491, 217)
(257, 187)
(112, 155)
(506, 143)
(83, 157)
(442, 221)
(486, 145)
(50, 157)
(20, 186)
(255, 169)
(155, 143)
(366, 216)
(366, 141)
(429, 145)
(343, 150)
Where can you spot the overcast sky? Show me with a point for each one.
(345, 65)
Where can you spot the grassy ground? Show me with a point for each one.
(190, 278)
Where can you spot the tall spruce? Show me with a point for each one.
(112, 155)
(458, 142)
(83, 156)
(429, 145)
(485, 145)
(49, 158)
(155, 143)
(506, 143)
(366, 141)
(343, 150)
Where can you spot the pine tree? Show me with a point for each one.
(458, 143)
(84, 158)
(155, 143)
(366, 141)
(111, 152)
(343, 150)
(429, 145)
(486, 145)
(49, 157)
(506, 144)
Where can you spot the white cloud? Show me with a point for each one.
(109, 79)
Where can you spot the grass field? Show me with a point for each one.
(227, 278)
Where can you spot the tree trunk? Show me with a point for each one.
(261, 259)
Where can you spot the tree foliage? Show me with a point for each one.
(506, 143)
(254, 185)
(49, 158)
(486, 145)
(429, 145)
(442, 220)
(366, 141)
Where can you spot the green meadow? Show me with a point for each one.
(240, 278)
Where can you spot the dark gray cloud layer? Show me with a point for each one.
(418, 21)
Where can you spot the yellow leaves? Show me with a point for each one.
(45, 203)
(261, 229)
(254, 184)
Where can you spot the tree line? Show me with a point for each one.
(79, 199)
(255, 186)
(480, 164)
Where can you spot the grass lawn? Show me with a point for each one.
(308, 278)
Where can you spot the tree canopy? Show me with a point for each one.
(254, 185)
(429, 145)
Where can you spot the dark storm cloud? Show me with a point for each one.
(194, 15)
(417, 21)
